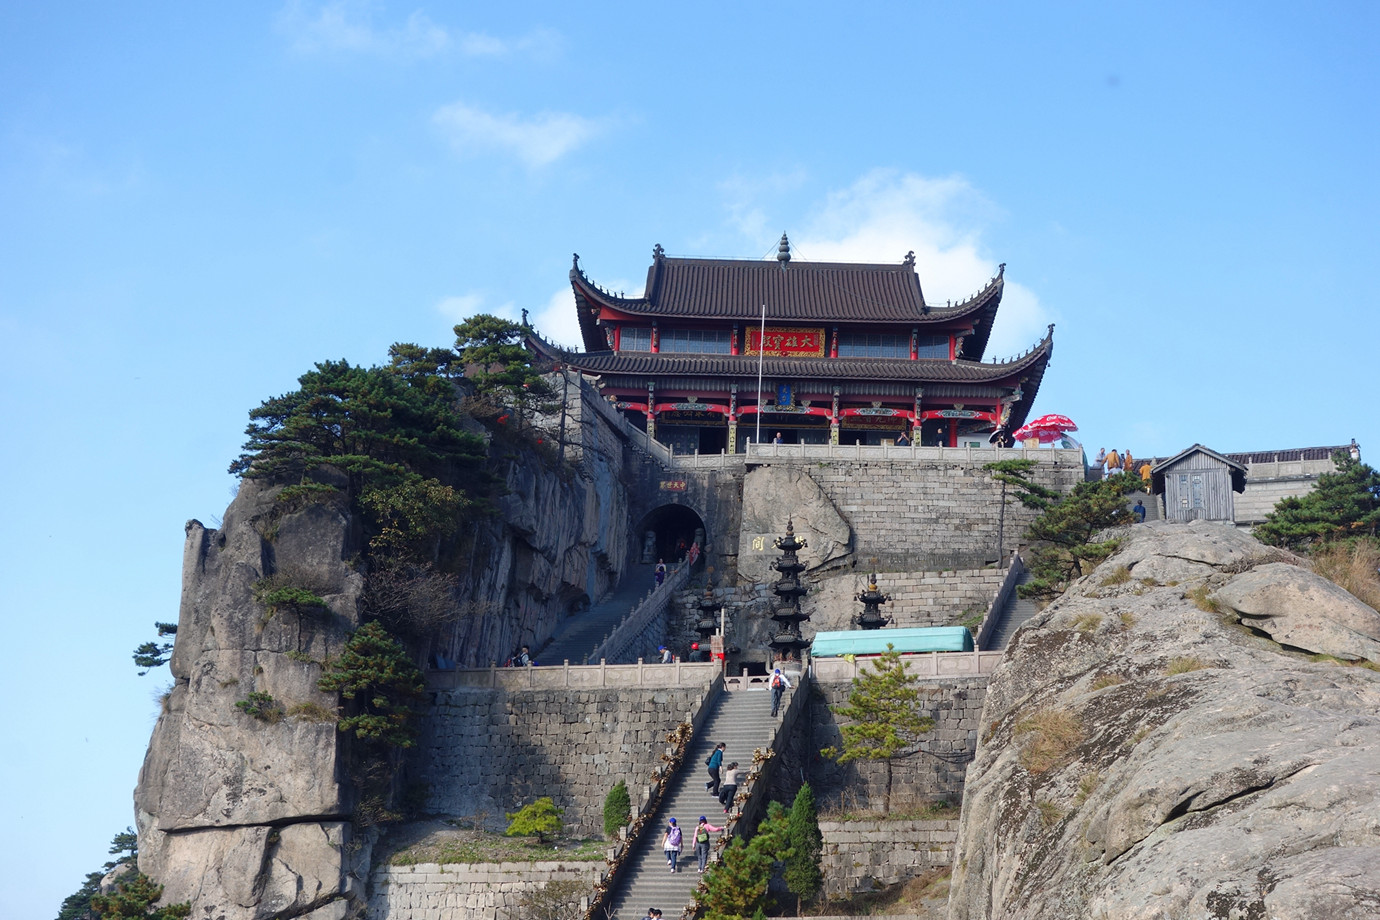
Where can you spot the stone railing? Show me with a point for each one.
(577, 677)
(924, 665)
(649, 446)
(620, 643)
(818, 453)
(1004, 593)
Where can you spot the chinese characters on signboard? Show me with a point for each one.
(787, 340)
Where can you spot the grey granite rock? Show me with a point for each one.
(1304, 610)
(772, 495)
(1204, 771)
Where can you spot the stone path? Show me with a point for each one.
(582, 632)
(1013, 615)
(743, 721)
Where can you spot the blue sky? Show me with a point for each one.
(200, 202)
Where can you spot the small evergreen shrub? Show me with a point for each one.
(540, 819)
(261, 706)
(617, 809)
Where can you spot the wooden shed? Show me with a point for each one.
(1197, 485)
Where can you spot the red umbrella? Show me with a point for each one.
(1046, 428)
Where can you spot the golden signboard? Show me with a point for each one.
(798, 341)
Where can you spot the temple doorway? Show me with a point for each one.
(668, 532)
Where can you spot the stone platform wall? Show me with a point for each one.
(478, 891)
(937, 773)
(862, 856)
(487, 752)
(929, 508)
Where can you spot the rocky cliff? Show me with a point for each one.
(1149, 751)
(250, 817)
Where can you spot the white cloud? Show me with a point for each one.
(556, 321)
(538, 140)
(886, 214)
(349, 26)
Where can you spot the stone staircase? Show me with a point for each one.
(1013, 615)
(742, 720)
(583, 631)
(1152, 505)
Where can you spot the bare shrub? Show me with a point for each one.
(412, 599)
(1049, 738)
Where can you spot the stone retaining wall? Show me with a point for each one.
(937, 773)
(862, 856)
(477, 891)
(930, 507)
(487, 752)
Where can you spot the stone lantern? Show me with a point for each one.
(708, 622)
(872, 600)
(786, 640)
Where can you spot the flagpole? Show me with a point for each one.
(761, 355)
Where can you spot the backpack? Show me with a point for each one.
(776, 680)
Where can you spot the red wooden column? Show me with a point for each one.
(953, 432)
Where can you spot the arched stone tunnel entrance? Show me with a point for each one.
(666, 533)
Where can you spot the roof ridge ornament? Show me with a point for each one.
(783, 252)
(909, 260)
(658, 253)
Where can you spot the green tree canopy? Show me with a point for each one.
(1014, 475)
(150, 655)
(803, 876)
(133, 899)
(1062, 547)
(373, 424)
(495, 360)
(375, 672)
(1344, 504)
(617, 809)
(540, 819)
(736, 888)
(885, 715)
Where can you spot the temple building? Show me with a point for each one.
(848, 354)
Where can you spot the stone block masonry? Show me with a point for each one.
(935, 773)
(937, 508)
(861, 856)
(488, 752)
(479, 891)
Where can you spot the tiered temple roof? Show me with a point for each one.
(852, 347)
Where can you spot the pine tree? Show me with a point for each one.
(375, 669)
(737, 886)
(1063, 549)
(540, 819)
(1343, 504)
(803, 876)
(133, 899)
(885, 715)
(1015, 475)
(495, 360)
